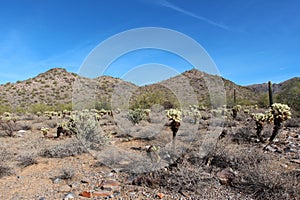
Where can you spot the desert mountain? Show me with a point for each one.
(287, 92)
(196, 86)
(57, 87)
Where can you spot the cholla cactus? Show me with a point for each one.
(6, 114)
(194, 111)
(235, 110)
(280, 113)
(8, 123)
(174, 114)
(44, 131)
(260, 120)
(246, 111)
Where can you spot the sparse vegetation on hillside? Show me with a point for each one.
(55, 151)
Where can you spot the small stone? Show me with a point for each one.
(110, 175)
(69, 196)
(132, 194)
(64, 188)
(269, 148)
(57, 181)
(84, 181)
(110, 185)
(102, 193)
(21, 131)
(226, 176)
(296, 161)
(86, 194)
(160, 195)
(183, 193)
(42, 198)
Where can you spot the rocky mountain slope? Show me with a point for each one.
(287, 92)
(57, 87)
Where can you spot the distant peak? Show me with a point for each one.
(57, 69)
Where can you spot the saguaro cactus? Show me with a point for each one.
(234, 96)
(270, 93)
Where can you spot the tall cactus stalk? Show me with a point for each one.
(234, 97)
(270, 93)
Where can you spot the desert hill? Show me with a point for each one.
(57, 87)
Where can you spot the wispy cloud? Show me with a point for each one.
(167, 4)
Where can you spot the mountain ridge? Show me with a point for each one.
(56, 87)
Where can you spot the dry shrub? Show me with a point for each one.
(72, 148)
(26, 161)
(258, 174)
(67, 174)
(51, 123)
(5, 155)
(5, 171)
(293, 122)
(23, 126)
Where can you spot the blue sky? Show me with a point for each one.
(249, 41)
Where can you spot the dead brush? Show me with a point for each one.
(5, 171)
(26, 161)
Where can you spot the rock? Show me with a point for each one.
(296, 161)
(69, 196)
(102, 193)
(21, 131)
(132, 195)
(86, 194)
(269, 148)
(64, 188)
(110, 185)
(183, 193)
(57, 181)
(91, 194)
(160, 195)
(226, 176)
(289, 150)
(84, 181)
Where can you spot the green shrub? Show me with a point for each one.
(4, 108)
(103, 104)
(39, 107)
(84, 124)
(137, 115)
